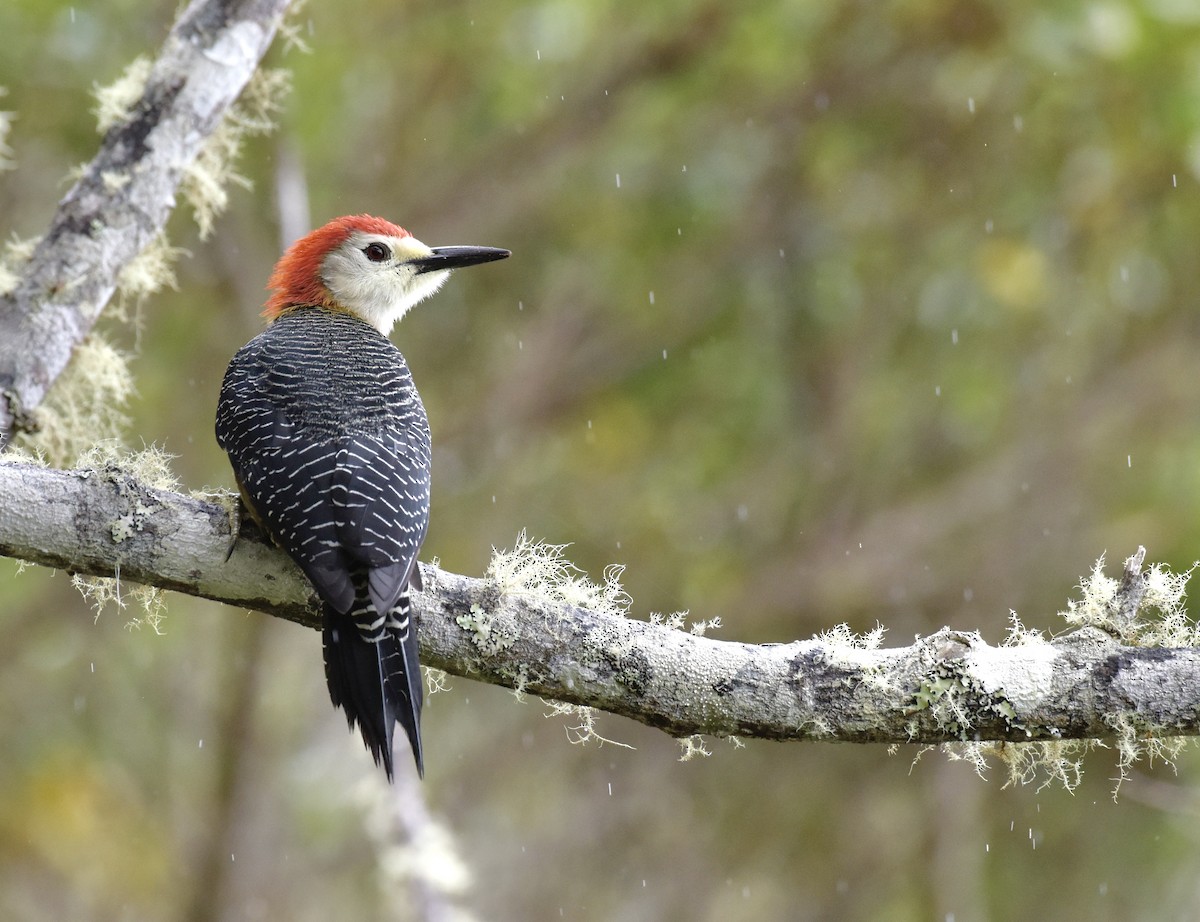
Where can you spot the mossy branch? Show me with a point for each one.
(506, 629)
(157, 123)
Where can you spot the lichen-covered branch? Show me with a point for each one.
(121, 202)
(950, 686)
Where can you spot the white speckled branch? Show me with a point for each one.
(950, 686)
(122, 201)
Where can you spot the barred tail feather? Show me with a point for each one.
(377, 683)
(402, 675)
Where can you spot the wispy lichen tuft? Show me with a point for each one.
(1136, 740)
(539, 569)
(692, 747)
(204, 182)
(146, 274)
(103, 592)
(534, 568)
(1044, 763)
(841, 637)
(151, 466)
(584, 730)
(115, 102)
(1150, 613)
(292, 26)
(16, 254)
(86, 404)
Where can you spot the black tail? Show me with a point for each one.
(377, 683)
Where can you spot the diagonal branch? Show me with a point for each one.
(950, 686)
(122, 200)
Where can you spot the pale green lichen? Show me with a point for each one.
(115, 102)
(1137, 739)
(675, 621)
(16, 254)
(151, 466)
(86, 404)
(205, 179)
(103, 592)
(847, 648)
(488, 633)
(538, 569)
(147, 468)
(146, 274)
(292, 26)
(1146, 609)
(841, 637)
(1160, 618)
(1042, 763)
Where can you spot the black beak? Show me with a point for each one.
(444, 258)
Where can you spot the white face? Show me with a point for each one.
(371, 275)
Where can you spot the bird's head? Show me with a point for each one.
(367, 266)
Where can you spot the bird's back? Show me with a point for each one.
(330, 446)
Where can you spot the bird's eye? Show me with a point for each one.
(377, 252)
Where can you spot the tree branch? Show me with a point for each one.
(125, 195)
(950, 686)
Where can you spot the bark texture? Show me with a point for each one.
(950, 686)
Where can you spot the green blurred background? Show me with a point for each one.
(818, 312)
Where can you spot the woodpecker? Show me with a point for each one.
(329, 444)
